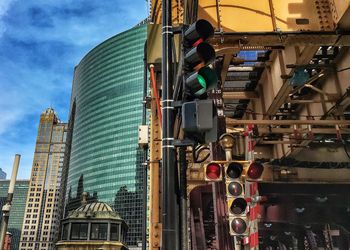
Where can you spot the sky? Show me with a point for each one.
(40, 43)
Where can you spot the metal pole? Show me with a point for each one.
(7, 207)
(170, 239)
(144, 165)
(183, 198)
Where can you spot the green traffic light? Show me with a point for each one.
(209, 76)
(203, 84)
(202, 81)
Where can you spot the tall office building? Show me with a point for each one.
(2, 174)
(41, 218)
(17, 210)
(106, 110)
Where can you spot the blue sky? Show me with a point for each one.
(40, 43)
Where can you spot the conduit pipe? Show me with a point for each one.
(155, 92)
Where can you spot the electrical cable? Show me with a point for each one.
(343, 69)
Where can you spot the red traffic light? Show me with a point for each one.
(213, 171)
(235, 188)
(202, 54)
(234, 170)
(238, 206)
(238, 225)
(255, 170)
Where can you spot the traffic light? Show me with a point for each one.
(213, 172)
(236, 202)
(255, 170)
(199, 119)
(198, 76)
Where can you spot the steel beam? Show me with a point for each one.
(154, 172)
(239, 95)
(315, 131)
(233, 122)
(283, 86)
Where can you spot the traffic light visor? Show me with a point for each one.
(202, 54)
(255, 170)
(210, 77)
(202, 81)
(201, 29)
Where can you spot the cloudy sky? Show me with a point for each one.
(40, 43)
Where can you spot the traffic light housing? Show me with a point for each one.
(236, 202)
(255, 171)
(198, 76)
(199, 119)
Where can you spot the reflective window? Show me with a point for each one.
(115, 232)
(65, 231)
(79, 231)
(99, 231)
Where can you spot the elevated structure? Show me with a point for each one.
(283, 95)
(41, 217)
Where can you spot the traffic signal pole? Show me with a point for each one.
(170, 222)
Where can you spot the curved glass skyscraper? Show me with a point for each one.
(106, 110)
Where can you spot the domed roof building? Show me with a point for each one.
(93, 226)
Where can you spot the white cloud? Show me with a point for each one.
(4, 7)
(43, 41)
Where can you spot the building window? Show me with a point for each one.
(115, 232)
(99, 231)
(79, 231)
(65, 231)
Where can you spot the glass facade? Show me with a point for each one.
(41, 218)
(17, 209)
(2, 175)
(107, 107)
